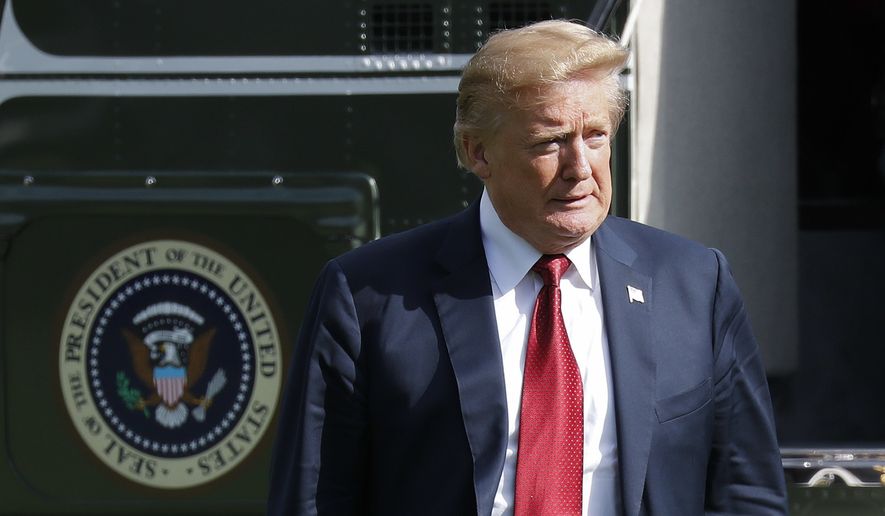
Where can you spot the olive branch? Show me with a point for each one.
(129, 395)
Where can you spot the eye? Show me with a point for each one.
(548, 145)
(596, 137)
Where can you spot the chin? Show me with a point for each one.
(576, 227)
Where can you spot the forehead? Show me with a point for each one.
(564, 103)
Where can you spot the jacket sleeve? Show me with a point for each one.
(745, 474)
(320, 453)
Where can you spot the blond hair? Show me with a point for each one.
(533, 56)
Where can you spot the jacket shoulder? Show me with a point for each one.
(406, 254)
(658, 249)
(640, 235)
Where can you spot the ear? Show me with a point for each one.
(476, 157)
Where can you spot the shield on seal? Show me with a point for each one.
(170, 383)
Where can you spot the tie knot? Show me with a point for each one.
(551, 267)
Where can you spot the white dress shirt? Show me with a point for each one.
(514, 289)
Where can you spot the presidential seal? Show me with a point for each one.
(169, 362)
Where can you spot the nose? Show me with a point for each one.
(575, 161)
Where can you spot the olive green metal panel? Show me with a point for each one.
(837, 501)
(278, 229)
(258, 179)
(402, 141)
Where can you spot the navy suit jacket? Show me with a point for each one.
(395, 402)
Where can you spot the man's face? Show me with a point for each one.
(547, 168)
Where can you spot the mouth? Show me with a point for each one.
(572, 201)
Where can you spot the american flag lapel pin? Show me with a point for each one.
(634, 294)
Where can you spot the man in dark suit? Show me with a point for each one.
(531, 355)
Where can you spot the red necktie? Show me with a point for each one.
(549, 465)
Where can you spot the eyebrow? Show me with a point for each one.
(542, 134)
(550, 128)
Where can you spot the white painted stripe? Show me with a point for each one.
(11, 88)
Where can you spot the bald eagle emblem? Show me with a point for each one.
(169, 360)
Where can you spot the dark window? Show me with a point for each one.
(510, 15)
(401, 28)
(833, 398)
(841, 100)
(189, 28)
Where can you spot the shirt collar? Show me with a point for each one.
(584, 260)
(510, 257)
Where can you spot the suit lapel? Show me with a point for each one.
(463, 299)
(628, 329)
